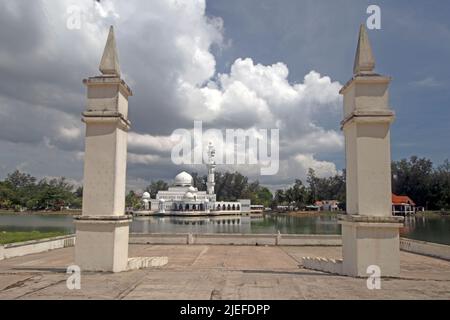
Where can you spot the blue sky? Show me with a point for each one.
(232, 64)
(413, 47)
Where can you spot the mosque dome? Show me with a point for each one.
(189, 195)
(183, 179)
(162, 200)
(146, 195)
(192, 189)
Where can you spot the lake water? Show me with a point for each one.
(432, 229)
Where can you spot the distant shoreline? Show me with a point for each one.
(42, 213)
(289, 213)
(336, 213)
(308, 213)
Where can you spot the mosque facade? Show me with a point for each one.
(183, 199)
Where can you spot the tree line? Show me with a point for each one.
(301, 195)
(232, 186)
(427, 185)
(21, 191)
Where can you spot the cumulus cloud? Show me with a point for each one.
(71, 133)
(142, 158)
(144, 143)
(165, 51)
(254, 94)
(428, 82)
(322, 168)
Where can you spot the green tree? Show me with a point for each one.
(156, 186)
(79, 192)
(52, 194)
(19, 180)
(264, 197)
(230, 186)
(6, 193)
(440, 187)
(413, 178)
(20, 186)
(280, 197)
(257, 194)
(300, 194)
(199, 181)
(313, 184)
(133, 200)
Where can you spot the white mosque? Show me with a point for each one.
(183, 199)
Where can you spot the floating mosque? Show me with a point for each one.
(183, 199)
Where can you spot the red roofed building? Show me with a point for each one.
(327, 205)
(402, 205)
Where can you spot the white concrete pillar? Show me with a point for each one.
(162, 206)
(146, 205)
(370, 232)
(103, 229)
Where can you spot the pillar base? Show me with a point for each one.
(370, 241)
(102, 243)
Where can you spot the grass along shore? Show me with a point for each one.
(428, 214)
(42, 213)
(20, 236)
(292, 213)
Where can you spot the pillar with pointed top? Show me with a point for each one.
(364, 60)
(109, 64)
(370, 234)
(103, 229)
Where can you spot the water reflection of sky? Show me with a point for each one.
(430, 229)
(43, 223)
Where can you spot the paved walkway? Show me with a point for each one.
(219, 272)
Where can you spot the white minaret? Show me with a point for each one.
(370, 233)
(211, 165)
(366, 125)
(103, 229)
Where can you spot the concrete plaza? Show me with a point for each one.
(219, 272)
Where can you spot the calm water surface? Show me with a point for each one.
(432, 229)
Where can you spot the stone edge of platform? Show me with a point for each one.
(13, 250)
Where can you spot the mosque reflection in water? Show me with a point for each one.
(264, 224)
(222, 224)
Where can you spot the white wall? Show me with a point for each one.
(36, 246)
